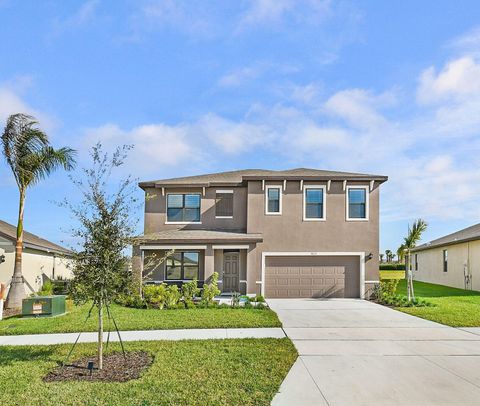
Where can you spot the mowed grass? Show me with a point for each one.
(142, 319)
(213, 372)
(453, 307)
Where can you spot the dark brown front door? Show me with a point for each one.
(231, 271)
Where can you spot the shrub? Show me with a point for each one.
(235, 299)
(189, 291)
(155, 295)
(392, 267)
(172, 297)
(210, 290)
(46, 289)
(131, 300)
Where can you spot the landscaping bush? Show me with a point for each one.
(46, 289)
(155, 296)
(386, 293)
(131, 300)
(210, 290)
(172, 297)
(189, 291)
(392, 267)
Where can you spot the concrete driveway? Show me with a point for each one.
(354, 352)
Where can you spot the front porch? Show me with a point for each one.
(166, 258)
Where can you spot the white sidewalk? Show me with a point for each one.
(144, 335)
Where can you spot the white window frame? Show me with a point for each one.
(182, 222)
(367, 202)
(223, 191)
(268, 213)
(324, 205)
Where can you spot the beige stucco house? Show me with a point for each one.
(452, 260)
(293, 233)
(41, 259)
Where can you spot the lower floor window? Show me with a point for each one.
(182, 266)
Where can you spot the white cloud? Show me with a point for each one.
(260, 13)
(155, 145)
(359, 107)
(12, 102)
(240, 76)
(84, 14)
(459, 78)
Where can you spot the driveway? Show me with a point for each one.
(354, 352)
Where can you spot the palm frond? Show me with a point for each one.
(415, 233)
(48, 159)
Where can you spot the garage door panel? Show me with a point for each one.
(316, 277)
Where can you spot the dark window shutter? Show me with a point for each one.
(224, 205)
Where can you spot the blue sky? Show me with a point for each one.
(379, 87)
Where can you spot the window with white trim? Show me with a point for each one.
(183, 208)
(224, 204)
(357, 202)
(273, 200)
(313, 203)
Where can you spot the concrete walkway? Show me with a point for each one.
(147, 335)
(354, 352)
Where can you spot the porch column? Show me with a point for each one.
(209, 263)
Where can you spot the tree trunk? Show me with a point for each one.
(17, 287)
(100, 335)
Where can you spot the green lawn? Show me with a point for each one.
(453, 307)
(213, 372)
(143, 319)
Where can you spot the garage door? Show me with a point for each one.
(312, 276)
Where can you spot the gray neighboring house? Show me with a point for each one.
(452, 260)
(283, 234)
(41, 258)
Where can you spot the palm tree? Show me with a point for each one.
(388, 255)
(28, 153)
(401, 253)
(409, 242)
(381, 258)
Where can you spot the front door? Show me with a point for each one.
(231, 271)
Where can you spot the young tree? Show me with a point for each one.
(100, 270)
(409, 242)
(31, 158)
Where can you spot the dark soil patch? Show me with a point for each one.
(116, 368)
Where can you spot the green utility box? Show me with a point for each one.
(43, 306)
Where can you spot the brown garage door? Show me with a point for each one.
(312, 276)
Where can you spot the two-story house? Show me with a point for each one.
(293, 233)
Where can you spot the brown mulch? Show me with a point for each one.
(116, 368)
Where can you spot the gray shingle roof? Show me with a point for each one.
(467, 234)
(172, 236)
(30, 240)
(237, 177)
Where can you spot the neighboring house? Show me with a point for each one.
(41, 259)
(452, 260)
(292, 233)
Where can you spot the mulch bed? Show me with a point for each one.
(116, 368)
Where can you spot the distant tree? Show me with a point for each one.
(388, 255)
(31, 158)
(100, 271)
(414, 235)
(381, 257)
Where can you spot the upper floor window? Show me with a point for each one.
(313, 202)
(357, 202)
(445, 261)
(224, 204)
(183, 208)
(273, 197)
(182, 266)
